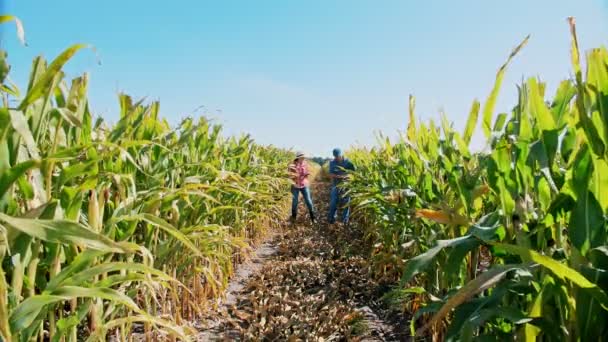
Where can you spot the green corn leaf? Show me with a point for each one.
(63, 232)
(30, 309)
(544, 194)
(80, 170)
(10, 176)
(487, 233)
(550, 140)
(471, 122)
(499, 124)
(590, 316)
(587, 223)
(129, 278)
(456, 257)
(165, 226)
(560, 108)
(593, 138)
(531, 331)
(538, 107)
(71, 321)
(67, 115)
(4, 71)
(5, 331)
(521, 123)
(491, 100)
(41, 86)
(20, 125)
(78, 264)
(86, 275)
(168, 327)
(479, 284)
(559, 270)
(587, 220)
(597, 81)
(421, 262)
(446, 126)
(599, 127)
(26, 188)
(462, 145)
(487, 314)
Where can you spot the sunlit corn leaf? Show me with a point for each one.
(471, 122)
(47, 78)
(63, 232)
(488, 108)
(479, 284)
(29, 310)
(559, 270)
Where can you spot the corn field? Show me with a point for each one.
(106, 229)
(110, 229)
(509, 243)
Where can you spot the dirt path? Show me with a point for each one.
(215, 327)
(307, 283)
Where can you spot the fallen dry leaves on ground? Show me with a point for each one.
(314, 289)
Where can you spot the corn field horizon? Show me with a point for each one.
(138, 226)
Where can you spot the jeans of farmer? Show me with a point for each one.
(338, 198)
(307, 199)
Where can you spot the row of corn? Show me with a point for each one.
(107, 230)
(508, 243)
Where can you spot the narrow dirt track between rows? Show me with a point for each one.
(306, 283)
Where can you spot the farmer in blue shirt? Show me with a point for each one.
(337, 172)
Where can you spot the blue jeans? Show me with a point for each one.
(338, 197)
(307, 199)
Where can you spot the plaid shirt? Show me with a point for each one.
(299, 174)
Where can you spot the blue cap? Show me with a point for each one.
(337, 152)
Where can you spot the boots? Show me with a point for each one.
(313, 218)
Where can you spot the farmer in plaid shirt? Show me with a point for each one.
(298, 171)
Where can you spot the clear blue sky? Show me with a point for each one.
(305, 74)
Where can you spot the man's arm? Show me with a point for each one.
(334, 175)
(347, 167)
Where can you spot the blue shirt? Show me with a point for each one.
(339, 168)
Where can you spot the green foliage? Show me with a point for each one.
(507, 242)
(105, 226)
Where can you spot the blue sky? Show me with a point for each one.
(305, 74)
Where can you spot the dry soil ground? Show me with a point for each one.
(306, 283)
